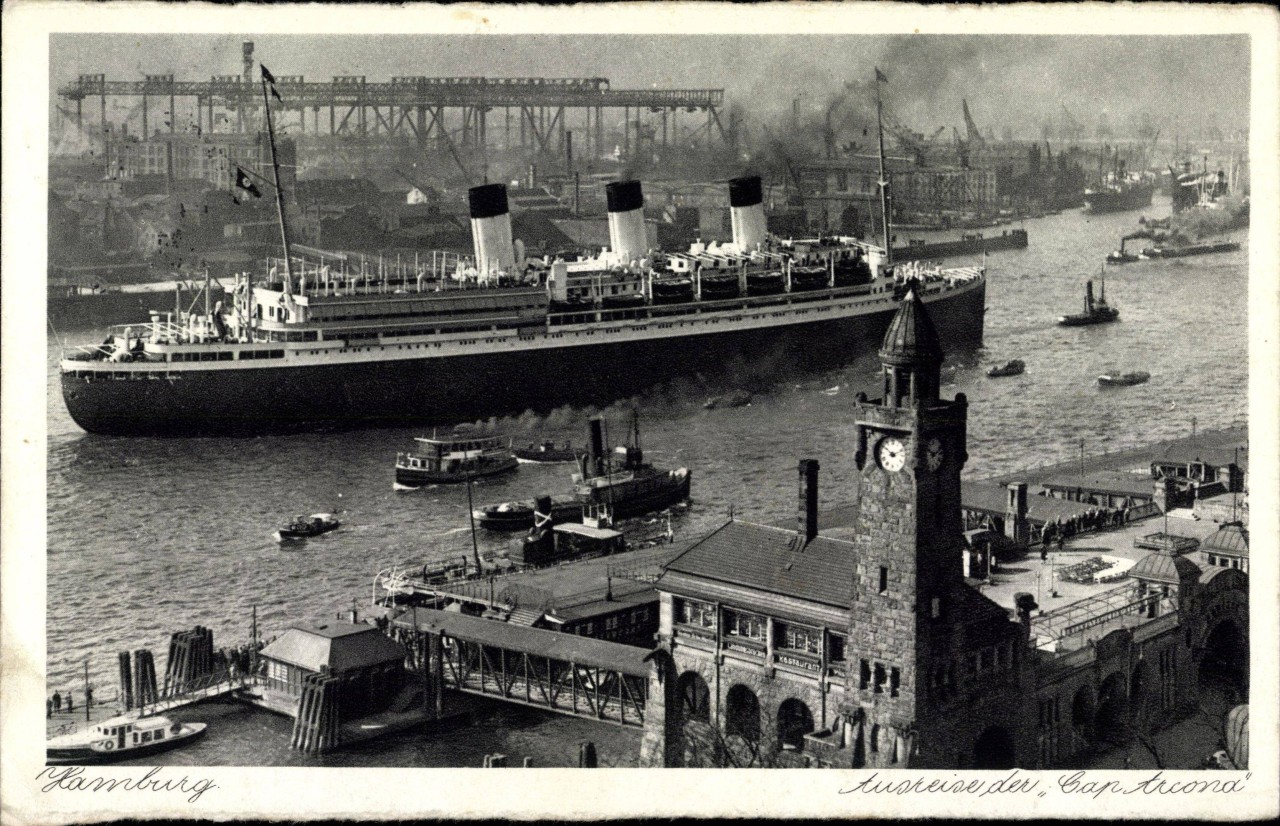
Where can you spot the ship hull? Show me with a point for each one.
(449, 390)
(1108, 201)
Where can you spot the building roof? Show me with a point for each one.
(1103, 481)
(341, 646)
(990, 497)
(338, 191)
(772, 559)
(911, 338)
(1231, 539)
(1215, 455)
(1164, 567)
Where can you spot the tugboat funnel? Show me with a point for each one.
(626, 219)
(491, 231)
(746, 212)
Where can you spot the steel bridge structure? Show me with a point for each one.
(551, 670)
(423, 109)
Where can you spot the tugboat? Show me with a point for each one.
(307, 527)
(121, 738)
(1095, 312)
(547, 453)
(1012, 368)
(454, 460)
(1123, 379)
(628, 488)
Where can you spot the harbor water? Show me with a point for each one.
(149, 536)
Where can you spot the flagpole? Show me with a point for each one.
(884, 180)
(275, 168)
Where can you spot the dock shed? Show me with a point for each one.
(370, 664)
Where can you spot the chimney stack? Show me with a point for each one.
(746, 212)
(807, 512)
(597, 446)
(626, 219)
(491, 230)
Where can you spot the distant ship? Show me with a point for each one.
(1132, 192)
(335, 340)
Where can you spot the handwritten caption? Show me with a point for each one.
(74, 779)
(1077, 783)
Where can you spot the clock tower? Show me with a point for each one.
(908, 583)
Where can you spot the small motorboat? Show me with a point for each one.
(1123, 379)
(737, 398)
(547, 453)
(1012, 368)
(307, 527)
(520, 516)
(120, 738)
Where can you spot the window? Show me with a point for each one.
(738, 624)
(864, 675)
(880, 678)
(798, 638)
(835, 648)
(895, 679)
(701, 614)
(884, 579)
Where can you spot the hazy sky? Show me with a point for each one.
(1009, 80)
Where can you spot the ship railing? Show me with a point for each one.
(358, 274)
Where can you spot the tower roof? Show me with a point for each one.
(1161, 566)
(911, 338)
(1232, 538)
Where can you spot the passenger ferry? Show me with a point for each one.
(454, 460)
(120, 738)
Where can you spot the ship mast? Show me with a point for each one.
(275, 169)
(884, 180)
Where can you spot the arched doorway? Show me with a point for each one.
(1112, 722)
(794, 722)
(694, 696)
(742, 726)
(1139, 687)
(994, 749)
(693, 721)
(1082, 711)
(1224, 666)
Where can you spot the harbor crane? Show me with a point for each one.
(974, 135)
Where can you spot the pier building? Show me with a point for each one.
(368, 664)
(863, 645)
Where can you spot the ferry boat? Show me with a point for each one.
(454, 460)
(121, 738)
(331, 339)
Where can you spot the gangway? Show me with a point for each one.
(554, 671)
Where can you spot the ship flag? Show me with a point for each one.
(243, 182)
(271, 80)
(880, 76)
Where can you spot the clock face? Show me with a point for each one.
(933, 454)
(892, 454)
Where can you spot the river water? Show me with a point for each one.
(150, 536)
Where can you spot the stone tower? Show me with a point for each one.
(914, 623)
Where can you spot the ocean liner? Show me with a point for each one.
(336, 340)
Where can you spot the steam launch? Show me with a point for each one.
(338, 340)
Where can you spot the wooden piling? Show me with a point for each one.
(126, 681)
